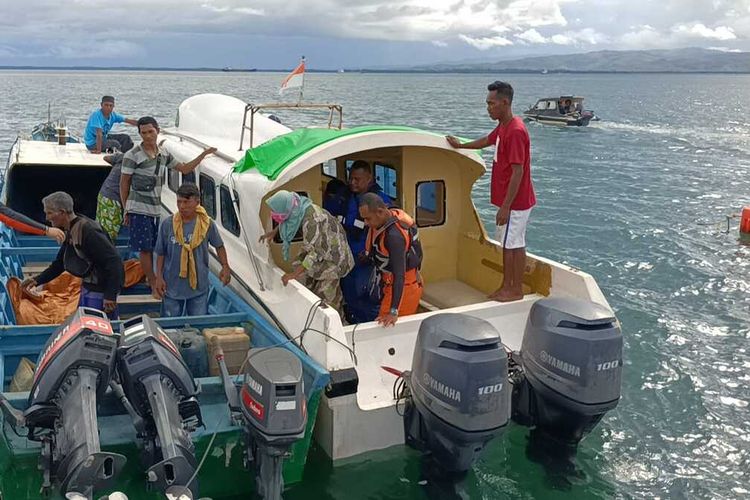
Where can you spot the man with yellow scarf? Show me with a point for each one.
(182, 257)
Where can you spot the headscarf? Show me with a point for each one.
(288, 210)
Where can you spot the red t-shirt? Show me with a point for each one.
(512, 146)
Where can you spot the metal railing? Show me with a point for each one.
(252, 108)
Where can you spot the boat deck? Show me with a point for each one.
(50, 153)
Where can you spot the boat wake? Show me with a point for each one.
(734, 136)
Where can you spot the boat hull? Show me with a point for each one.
(562, 121)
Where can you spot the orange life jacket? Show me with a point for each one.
(404, 223)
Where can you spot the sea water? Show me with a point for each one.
(638, 200)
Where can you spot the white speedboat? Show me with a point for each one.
(560, 346)
(562, 111)
(462, 263)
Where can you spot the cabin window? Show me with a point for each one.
(228, 215)
(298, 236)
(208, 195)
(173, 179)
(430, 203)
(329, 168)
(385, 176)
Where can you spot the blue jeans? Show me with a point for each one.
(195, 306)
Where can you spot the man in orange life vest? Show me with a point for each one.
(394, 247)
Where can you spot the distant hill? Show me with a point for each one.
(689, 60)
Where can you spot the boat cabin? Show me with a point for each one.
(460, 265)
(562, 105)
(38, 168)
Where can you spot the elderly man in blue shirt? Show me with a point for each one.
(97, 136)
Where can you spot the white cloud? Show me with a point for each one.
(643, 37)
(103, 28)
(239, 10)
(486, 42)
(586, 36)
(678, 35)
(531, 36)
(700, 30)
(413, 20)
(724, 49)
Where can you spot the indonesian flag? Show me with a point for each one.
(294, 79)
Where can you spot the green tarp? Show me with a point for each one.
(273, 156)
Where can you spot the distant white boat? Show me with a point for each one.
(544, 71)
(341, 70)
(562, 111)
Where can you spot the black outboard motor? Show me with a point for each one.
(460, 397)
(72, 373)
(272, 409)
(161, 389)
(570, 368)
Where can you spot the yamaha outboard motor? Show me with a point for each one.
(159, 386)
(72, 372)
(460, 397)
(570, 368)
(271, 407)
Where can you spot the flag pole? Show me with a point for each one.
(302, 87)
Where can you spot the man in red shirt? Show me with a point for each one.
(511, 189)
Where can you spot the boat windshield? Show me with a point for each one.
(545, 104)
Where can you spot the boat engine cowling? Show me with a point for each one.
(460, 398)
(571, 368)
(159, 386)
(72, 373)
(272, 409)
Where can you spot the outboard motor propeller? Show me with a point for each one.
(272, 409)
(570, 368)
(161, 389)
(460, 397)
(72, 372)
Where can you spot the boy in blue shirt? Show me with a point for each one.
(97, 136)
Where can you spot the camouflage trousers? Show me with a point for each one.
(329, 290)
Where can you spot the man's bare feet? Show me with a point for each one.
(496, 293)
(506, 296)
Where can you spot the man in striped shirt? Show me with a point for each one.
(141, 180)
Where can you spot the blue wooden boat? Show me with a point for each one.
(223, 474)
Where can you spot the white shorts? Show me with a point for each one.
(513, 234)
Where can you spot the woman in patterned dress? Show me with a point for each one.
(325, 256)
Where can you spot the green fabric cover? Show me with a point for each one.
(272, 157)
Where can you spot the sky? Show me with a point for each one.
(332, 34)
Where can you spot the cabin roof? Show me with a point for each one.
(50, 153)
(273, 157)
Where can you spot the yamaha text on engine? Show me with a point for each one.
(459, 395)
(272, 410)
(568, 374)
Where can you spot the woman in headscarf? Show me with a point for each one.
(325, 257)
